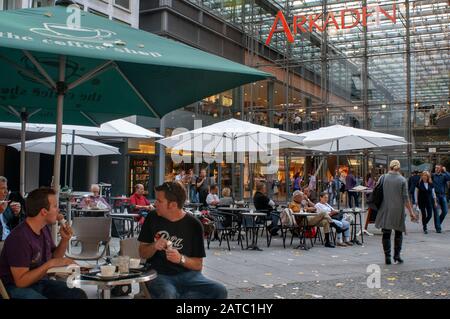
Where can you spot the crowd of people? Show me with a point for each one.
(172, 239)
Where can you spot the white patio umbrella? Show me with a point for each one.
(118, 128)
(232, 136)
(338, 138)
(81, 146)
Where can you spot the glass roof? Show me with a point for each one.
(386, 44)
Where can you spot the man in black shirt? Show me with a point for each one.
(202, 187)
(264, 203)
(172, 242)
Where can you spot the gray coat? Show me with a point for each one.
(391, 214)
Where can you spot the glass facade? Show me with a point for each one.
(376, 64)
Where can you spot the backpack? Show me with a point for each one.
(376, 197)
(287, 219)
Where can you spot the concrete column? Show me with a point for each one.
(270, 101)
(32, 171)
(92, 170)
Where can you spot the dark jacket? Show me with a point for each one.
(440, 182)
(261, 201)
(425, 196)
(412, 183)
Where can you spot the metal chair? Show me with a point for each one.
(130, 247)
(92, 233)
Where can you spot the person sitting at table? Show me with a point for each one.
(213, 199)
(322, 219)
(226, 199)
(139, 203)
(93, 201)
(310, 196)
(12, 211)
(264, 203)
(29, 252)
(172, 242)
(323, 206)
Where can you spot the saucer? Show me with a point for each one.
(115, 276)
(137, 268)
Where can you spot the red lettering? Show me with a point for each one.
(355, 23)
(393, 18)
(333, 20)
(312, 22)
(299, 24)
(365, 15)
(286, 29)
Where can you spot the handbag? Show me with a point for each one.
(376, 197)
(338, 216)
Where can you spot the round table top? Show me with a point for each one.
(237, 209)
(304, 214)
(146, 276)
(124, 215)
(88, 210)
(254, 214)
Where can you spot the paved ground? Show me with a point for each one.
(335, 273)
(322, 272)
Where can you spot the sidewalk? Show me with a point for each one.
(255, 274)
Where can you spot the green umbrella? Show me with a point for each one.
(100, 70)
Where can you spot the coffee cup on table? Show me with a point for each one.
(135, 262)
(108, 270)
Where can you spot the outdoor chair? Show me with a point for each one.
(288, 224)
(130, 247)
(226, 226)
(94, 235)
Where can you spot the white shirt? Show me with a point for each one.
(211, 198)
(323, 208)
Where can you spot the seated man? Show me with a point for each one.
(262, 202)
(213, 199)
(310, 195)
(29, 252)
(226, 199)
(139, 203)
(94, 200)
(322, 219)
(12, 209)
(323, 206)
(172, 241)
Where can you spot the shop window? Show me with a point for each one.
(123, 3)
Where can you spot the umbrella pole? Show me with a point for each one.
(61, 88)
(72, 159)
(65, 166)
(24, 118)
(338, 191)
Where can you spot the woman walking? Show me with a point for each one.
(391, 215)
(425, 197)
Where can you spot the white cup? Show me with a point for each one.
(135, 262)
(107, 270)
(124, 264)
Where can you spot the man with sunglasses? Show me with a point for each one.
(172, 241)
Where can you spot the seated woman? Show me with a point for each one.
(226, 199)
(323, 206)
(12, 214)
(322, 219)
(95, 200)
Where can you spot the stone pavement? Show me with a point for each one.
(323, 272)
(334, 273)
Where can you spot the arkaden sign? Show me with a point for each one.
(344, 19)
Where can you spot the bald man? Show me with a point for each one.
(93, 200)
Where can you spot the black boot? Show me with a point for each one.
(387, 250)
(327, 241)
(397, 248)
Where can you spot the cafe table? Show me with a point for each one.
(106, 285)
(254, 228)
(302, 224)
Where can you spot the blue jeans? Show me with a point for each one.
(442, 202)
(345, 225)
(46, 289)
(187, 285)
(193, 194)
